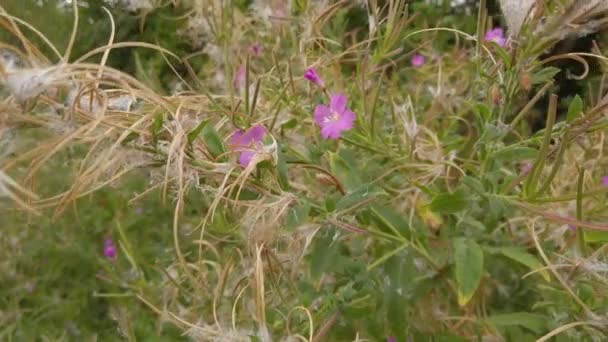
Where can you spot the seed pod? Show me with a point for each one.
(495, 94)
(525, 80)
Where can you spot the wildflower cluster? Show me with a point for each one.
(335, 118)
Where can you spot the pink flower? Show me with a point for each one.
(418, 60)
(605, 180)
(334, 119)
(256, 49)
(391, 339)
(497, 36)
(109, 249)
(312, 75)
(240, 78)
(248, 143)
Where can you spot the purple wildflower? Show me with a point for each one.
(391, 339)
(334, 119)
(248, 143)
(418, 60)
(240, 78)
(312, 75)
(605, 180)
(256, 49)
(497, 36)
(109, 249)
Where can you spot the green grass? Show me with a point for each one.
(55, 279)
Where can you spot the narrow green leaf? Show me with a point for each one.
(447, 337)
(447, 203)
(392, 221)
(192, 135)
(130, 137)
(292, 123)
(282, 169)
(362, 193)
(575, 109)
(247, 195)
(298, 215)
(325, 254)
(212, 139)
(504, 55)
(596, 236)
(474, 184)
(525, 259)
(300, 7)
(157, 126)
(468, 259)
(536, 323)
(345, 172)
(143, 72)
(516, 153)
(545, 74)
(400, 270)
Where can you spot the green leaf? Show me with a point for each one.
(247, 195)
(483, 111)
(545, 74)
(468, 259)
(474, 184)
(596, 236)
(447, 203)
(130, 137)
(192, 135)
(145, 73)
(447, 337)
(525, 259)
(325, 254)
(504, 55)
(330, 204)
(492, 133)
(400, 270)
(516, 153)
(392, 221)
(575, 109)
(298, 215)
(157, 126)
(299, 7)
(212, 139)
(536, 323)
(346, 173)
(282, 169)
(361, 194)
(292, 123)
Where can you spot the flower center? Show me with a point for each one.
(334, 117)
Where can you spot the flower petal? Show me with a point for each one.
(347, 119)
(312, 75)
(256, 133)
(330, 131)
(237, 137)
(245, 138)
(245, 158)
(338, 103)
(322, 112)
